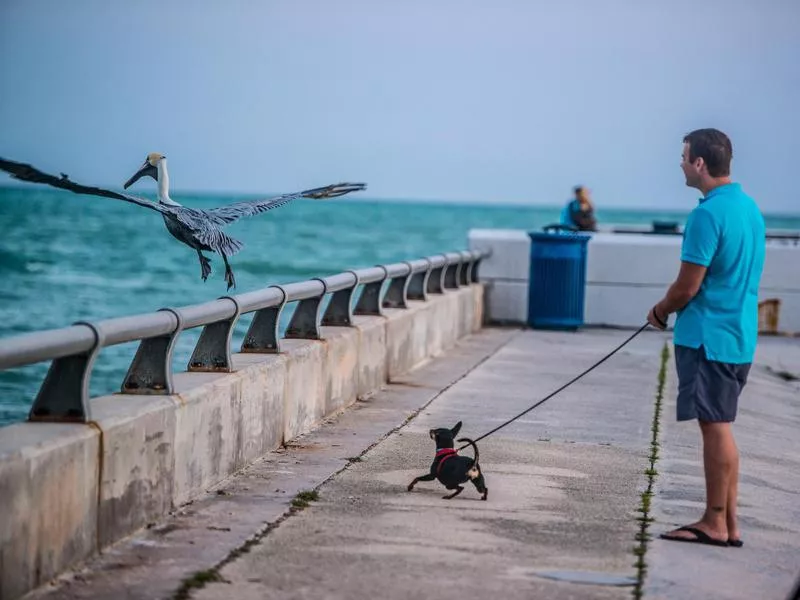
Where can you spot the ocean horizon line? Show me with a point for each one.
(599, 207)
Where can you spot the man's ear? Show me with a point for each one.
(456, 429)
(699, 163)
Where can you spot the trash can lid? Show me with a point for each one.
(560, 236)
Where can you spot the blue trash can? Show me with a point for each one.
(557, 281)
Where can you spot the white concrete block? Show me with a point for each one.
(510, 258)
(341, 367)
(620, 305)
(435, 317)
(478, 306)
(507, 301)
(225, 420)
(465, 312)
(48, 501)
(304, 400)
(406, 337)
(781, 269)
(372, 374)
(452, 306)
(261, 383)
(632, 259)
(138, 464)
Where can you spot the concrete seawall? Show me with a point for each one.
(69, 490)
(620, 291)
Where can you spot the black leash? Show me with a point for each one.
(563, 387)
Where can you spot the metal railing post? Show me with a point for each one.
(397, 293)
(304, 323)
(340, 309)
(463, 271)
(451, 271)
(213, 349)
(64, 395)
(418, 286)
(435, 280)
(262, 335)
(369, 303)
(150, 371)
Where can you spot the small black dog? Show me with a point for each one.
(451, 469)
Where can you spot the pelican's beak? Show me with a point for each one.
(147, 169)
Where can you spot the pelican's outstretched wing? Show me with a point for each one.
(232, 212)
(25, 172)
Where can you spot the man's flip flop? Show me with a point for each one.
(701, 537)
(735, 543)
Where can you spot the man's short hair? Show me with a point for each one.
(714, 147)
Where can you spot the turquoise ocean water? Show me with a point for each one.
(65, 258)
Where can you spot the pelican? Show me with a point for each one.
(197, 228)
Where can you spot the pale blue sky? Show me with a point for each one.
(456, 100)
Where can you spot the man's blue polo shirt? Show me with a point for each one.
(725, 233)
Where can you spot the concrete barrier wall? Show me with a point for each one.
(69, 490)
(625, 275)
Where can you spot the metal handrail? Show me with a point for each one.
(371, 274)
(63, 395)
(418, 266)
(396, 270)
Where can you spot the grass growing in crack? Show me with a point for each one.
(642, 536)
(201, 578)
(302, 499)
(195, 582)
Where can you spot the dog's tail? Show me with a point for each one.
(474, 447)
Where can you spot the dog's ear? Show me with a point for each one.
(456, 429)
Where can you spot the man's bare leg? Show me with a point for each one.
(733, 493)
(720, 458)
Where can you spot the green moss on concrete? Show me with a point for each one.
(642, 536)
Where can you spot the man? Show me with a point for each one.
(716, 298)
(579, 212)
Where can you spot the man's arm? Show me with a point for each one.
(679, 294)
(682, 290)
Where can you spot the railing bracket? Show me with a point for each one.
(305, 320)
(262, 336)
(397, 293)
(339, 312)
(64, 395)
(213, 349)
(369, 303)
(150, 372)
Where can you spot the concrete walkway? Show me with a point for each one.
(767, 432)
(564, 490)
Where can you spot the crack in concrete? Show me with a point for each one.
(643, 537)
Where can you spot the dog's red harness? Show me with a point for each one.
(444, 454)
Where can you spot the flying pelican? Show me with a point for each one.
(197, 228)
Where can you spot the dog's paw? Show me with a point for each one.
(410, 486)
(486, 493)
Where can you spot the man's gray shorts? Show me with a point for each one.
(707, 390)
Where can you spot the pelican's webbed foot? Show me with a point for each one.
(229, 278)
(205, 265)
